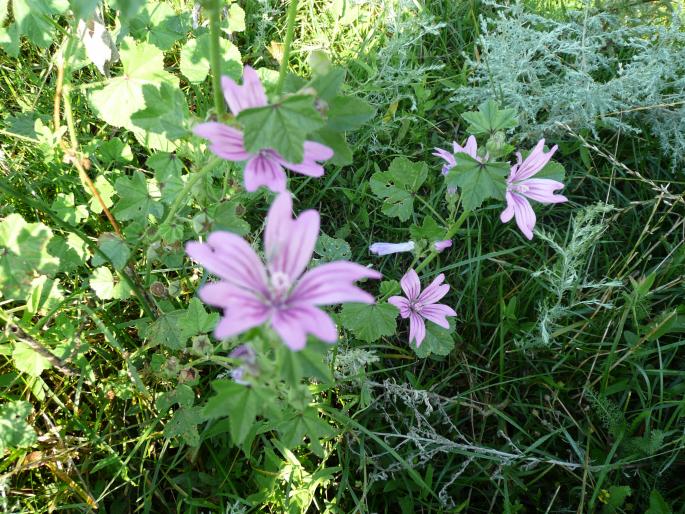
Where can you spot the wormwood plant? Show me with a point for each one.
(590, 70)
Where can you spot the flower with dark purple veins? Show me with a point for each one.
(280, 294)
(264, 168)
(470, 149)
(419, 305)
(521, 187)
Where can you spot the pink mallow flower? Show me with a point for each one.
(470, 148)
(264, 168)
(280, 294)
(418, 305)
(521, 187)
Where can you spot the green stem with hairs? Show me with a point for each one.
(215, 56)
(183, 195)
(289, 34)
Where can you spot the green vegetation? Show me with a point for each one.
(560, 385)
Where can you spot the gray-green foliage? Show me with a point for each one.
(569, 287)
(591, 70)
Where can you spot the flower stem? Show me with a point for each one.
(183, 195)
(290, 32)
(215, 56)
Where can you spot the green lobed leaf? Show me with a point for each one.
(23, 255)
(166, 111)
(225, 216)
(196, 320)
(28, 360)
(64, 206)
(32, 19)
(438, 341)
(123, 96)
(113, 151)
(182, 395)
(489, 118)
(397, 186)
(165, 331)
(106, 192)
(236, 18)
(113, 247)
(184, 424)
(369, 322)
(240, 403)
(328, 84)
(310, 362)
(195, 59)
(282, 126)
(15, 431)
(308, 424)
(348, 113)
(106, 287)
(657, 504)
(134, 199)
(429, 230)
(337, 142)
(478, 181)
(158, 24)
(332, 249)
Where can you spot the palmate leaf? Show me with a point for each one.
(282, 126)
(490, 118)
(305, 424)
(15, 432)
(240, 403)
(32, 20)
(166, 111)
(397, 186)
(134, 199)
(439, 341)
(159, 24)
(369, 322)
(478, 181)
(123, 96)
(23, 255)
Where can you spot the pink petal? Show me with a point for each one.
(229, 257)
(446, 156)
(250, 94)
(442, 245)
(402, 304)
(223, 294)
(411, 285)
(508, 213)
(435, 291)
(437, 314)
(263, 171)
(417, 329)
(525, 217)
(294, 323)
(332, 283)
(239, 318)
(279, 223)
(313, 152)
(291, 249)
(470, 148)
(226, 142)
(534, 162)
(542, 190)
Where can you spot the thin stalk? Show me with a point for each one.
(289, 34)
(215, 57)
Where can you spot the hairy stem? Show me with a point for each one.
(215, 56)
(290, 32)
